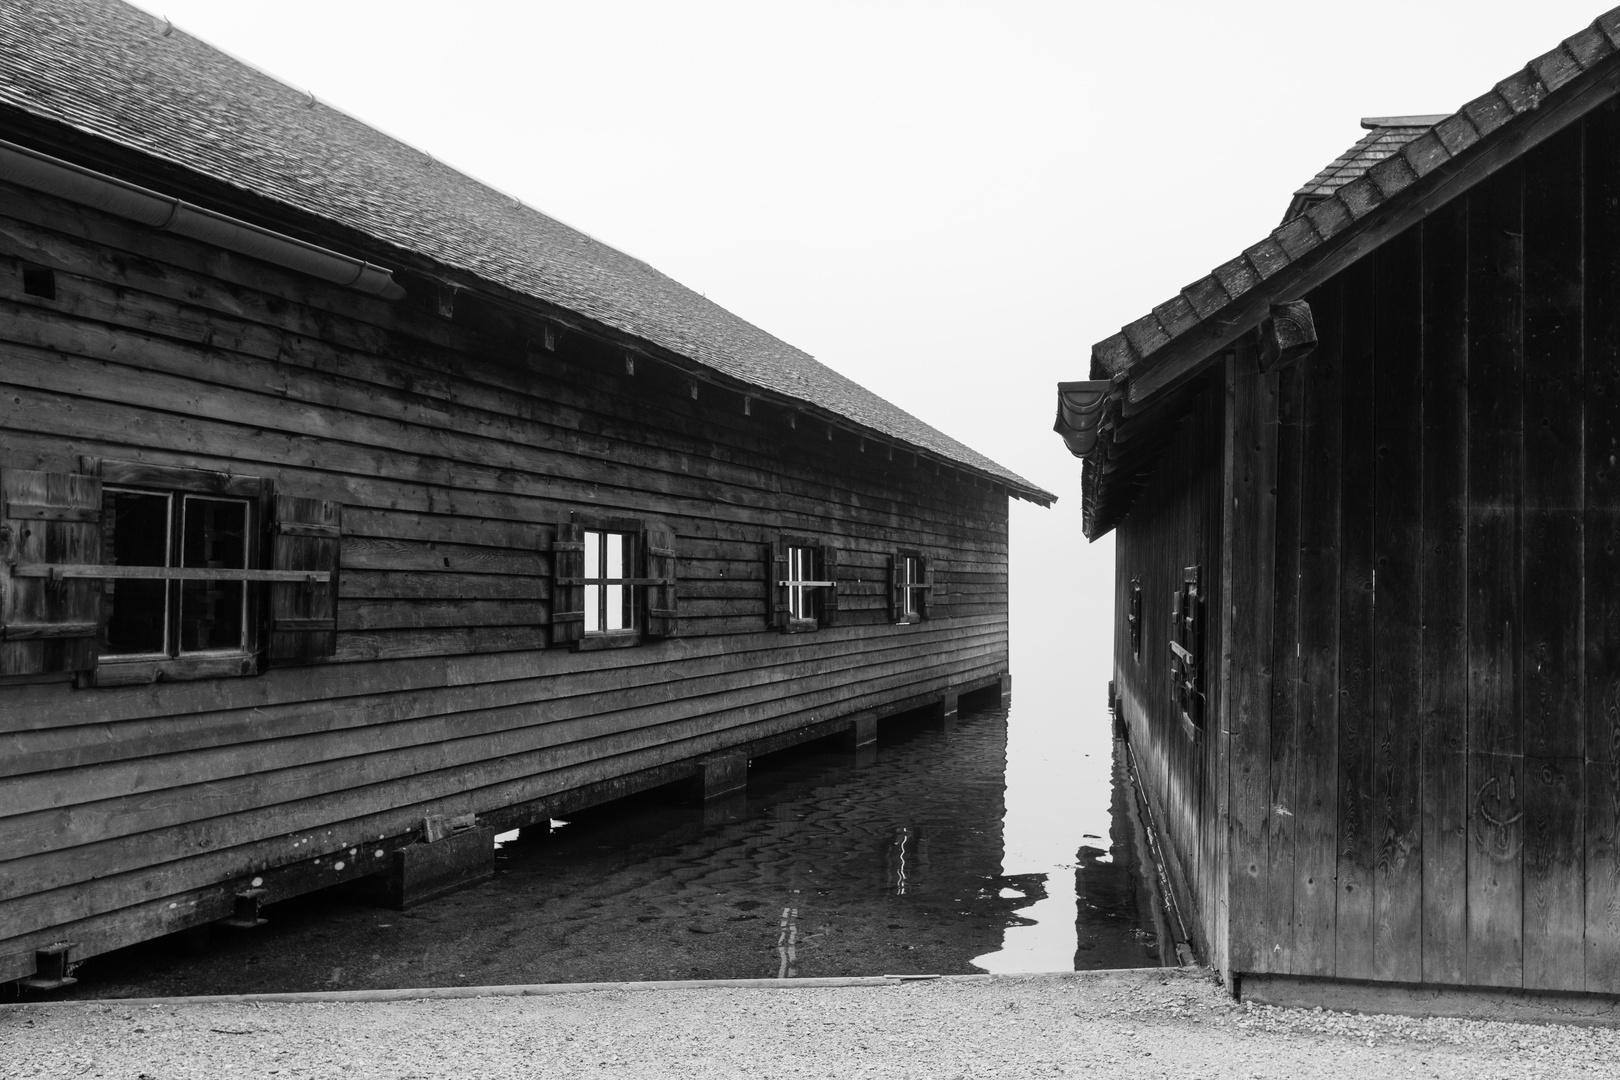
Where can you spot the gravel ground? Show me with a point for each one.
(1137, 1023)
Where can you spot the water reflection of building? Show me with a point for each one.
(1116, 891)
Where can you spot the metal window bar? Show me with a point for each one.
(62, 571)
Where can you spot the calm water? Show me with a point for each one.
(1000, 843)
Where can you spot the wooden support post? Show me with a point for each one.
(1006, 689)
(948, 707)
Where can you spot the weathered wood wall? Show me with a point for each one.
(454, 449)
(1174, 524)
(1429, 762)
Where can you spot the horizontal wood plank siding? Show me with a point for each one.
(455, 446)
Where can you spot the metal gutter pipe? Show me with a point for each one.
(27, 168)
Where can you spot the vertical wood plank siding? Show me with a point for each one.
(453, 451)
(1177, 524)
(1424, 778)
(1600, 520)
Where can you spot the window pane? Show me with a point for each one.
(135, 528)
(593, 554)
(614, 602)
(215, 536)
(615, 555)
(593, 609)
(796, 568)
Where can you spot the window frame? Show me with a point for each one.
(178, 484)
(909, 575)
(812, 610)
(626, 635)
(178, 505)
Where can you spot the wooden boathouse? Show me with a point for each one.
(348, 502)
(1364, 486)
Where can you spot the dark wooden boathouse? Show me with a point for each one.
(348, 501)
(1365, 489)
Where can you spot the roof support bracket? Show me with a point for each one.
(1287, 336)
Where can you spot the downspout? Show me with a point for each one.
(29, 169)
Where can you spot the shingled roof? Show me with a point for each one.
(1386, 135)
(110, 70)
(1143, 375)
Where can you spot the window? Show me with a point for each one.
(598, 599)
(129, 572)
(801, 572)
(1187, 652)
(802, 587)
(160, 617)
(910, 583)
(610, 594)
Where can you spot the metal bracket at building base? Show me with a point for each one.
(51, 967)
(246, 916)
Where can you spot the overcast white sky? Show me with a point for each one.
(948, 202)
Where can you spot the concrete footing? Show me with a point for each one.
(422, 872)
(722, 775)
(862, 732)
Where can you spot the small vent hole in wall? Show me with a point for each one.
(38, 281)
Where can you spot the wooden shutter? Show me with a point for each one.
(568, 584)
(663, 605)
(307, 535)
(897, 586)
(828, 558)
(49, 625)
(776, 593)
(925, 595)
(1187, 651)
(1133, 618)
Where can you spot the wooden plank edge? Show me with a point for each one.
(1430, 999)
(440, 993)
